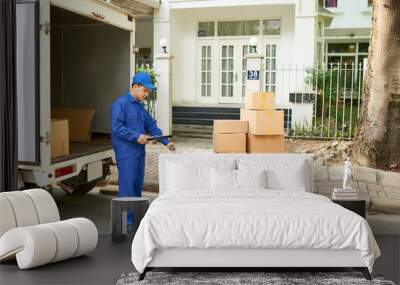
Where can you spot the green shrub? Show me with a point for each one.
(150, 100)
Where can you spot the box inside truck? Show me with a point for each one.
(90, 67)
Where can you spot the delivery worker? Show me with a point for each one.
(129, 123)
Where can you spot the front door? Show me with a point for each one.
(233, 69)
(223, 69)
(229, 79)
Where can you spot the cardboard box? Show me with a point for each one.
(265, 144)
(259, 101)
(224, 143)
(263, 122)
(79, 120)
(231, 127)
(59, 137)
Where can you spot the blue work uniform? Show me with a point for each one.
(129, 120)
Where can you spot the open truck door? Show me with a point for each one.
(87, 162)
(33, 89)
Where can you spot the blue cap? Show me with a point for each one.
(144, 79)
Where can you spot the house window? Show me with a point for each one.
(363, 47)
(206, 71)
(302, 98)
(339, 54)
(349, 59)
(144, 56)
(362, 53)
(271, 27)
(341, 47)
(287, 118)
(206, 29)
(270, 68)
(238, 28)
(331, 3)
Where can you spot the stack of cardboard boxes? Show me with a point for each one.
(260, 125)
(230, 136)
(266, 125)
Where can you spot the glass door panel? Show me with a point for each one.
(270, 68)
(230, 66)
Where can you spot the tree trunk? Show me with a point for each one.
(377, 142)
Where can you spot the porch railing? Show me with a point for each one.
(325, 101)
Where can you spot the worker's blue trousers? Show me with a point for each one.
(130, 178)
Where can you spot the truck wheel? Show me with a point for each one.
(84, 188)
(29, 186)
(74, 189)
(78, 185)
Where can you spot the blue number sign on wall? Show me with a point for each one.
(253, 75)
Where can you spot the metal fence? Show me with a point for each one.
(325, 101)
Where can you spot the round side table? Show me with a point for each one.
(119, 210)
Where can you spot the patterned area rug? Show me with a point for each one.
(273, 278)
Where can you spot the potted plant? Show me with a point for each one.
(150, 101)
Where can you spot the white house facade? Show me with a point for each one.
(347, 37)
(209, 40)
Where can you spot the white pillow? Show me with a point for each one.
(189, 175)
(282, 174)
(223, 179)
(226, 179)
(294, 180)
(186, 177)
(251, 178)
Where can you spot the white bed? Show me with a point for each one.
(215, 211)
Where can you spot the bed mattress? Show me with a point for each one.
(250, 219)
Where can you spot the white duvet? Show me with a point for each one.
(253, 218)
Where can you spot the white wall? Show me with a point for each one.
(93, 69)
(187, 4)
(144, 33)
(302, 114)
(351, 14)
(183, 40)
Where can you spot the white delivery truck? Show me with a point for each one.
(70, 54)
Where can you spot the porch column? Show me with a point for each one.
(253, 82)
(162, 66)
(161, 26)
(305, 33)
(304, 49)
